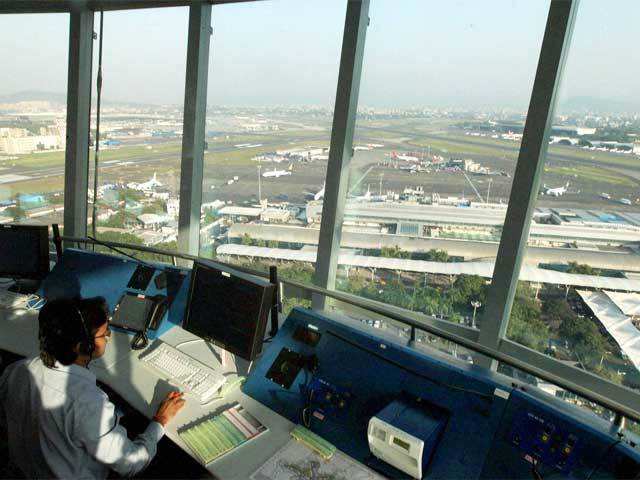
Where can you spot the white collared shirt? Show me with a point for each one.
(60, 424)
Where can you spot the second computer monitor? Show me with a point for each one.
(24, 251)
(229, 308)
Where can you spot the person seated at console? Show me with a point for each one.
(59, 423)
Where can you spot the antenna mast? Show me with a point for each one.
(96, 157)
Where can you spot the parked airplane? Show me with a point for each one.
(319, 195)
(406, 158)
(146, 186)
(555, 192)
(278, 173)
(364, 198)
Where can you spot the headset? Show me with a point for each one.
(54, 332)
(88, 344)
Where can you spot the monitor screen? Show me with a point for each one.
(229, 308)
(24, 251)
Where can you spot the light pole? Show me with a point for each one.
(475, 304)
(259, 185)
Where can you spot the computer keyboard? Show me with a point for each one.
(12, 300)
(189, 374)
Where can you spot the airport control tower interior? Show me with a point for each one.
(365, 239)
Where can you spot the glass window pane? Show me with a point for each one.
(578, 290)
(144, 64)
(444, 94)
(273, 71)
(33, 109)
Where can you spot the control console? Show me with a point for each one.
(542, 441)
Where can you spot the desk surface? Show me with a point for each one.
(121, 369)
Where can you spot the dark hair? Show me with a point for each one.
(61, 327)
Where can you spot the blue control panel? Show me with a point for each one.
(333, 374)
(544, 441)
(90, 274)
(326, 398)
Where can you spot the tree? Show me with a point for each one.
(154, 207)
(437, 255)
(394, 252)
(585, 339)
(210, 216)
(468, 288)
(289, 302)
(525, 326)
(131, 239)
(246, 239)
(298, 272)
(432, 301)
(557, 310)
(607, 374)
(581, 268)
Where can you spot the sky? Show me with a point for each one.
(459, 53)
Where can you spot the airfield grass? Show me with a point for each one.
(592, 174)
(48, 185)
(454, 147)
(56, 159)
(456, 144)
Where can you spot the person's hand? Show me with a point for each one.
(169, 408)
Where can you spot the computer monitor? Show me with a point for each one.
(229, 308)
(24, 251)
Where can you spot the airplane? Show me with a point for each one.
(278, 173)
(364, 198)
(411, 168)
(555, 192)
(146, 186)
(319, 195)
(408, 158)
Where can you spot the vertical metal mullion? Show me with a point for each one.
(193, 135)
(526, 180)
(76, 164)
(341, 148)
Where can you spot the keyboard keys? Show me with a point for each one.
(191, 375)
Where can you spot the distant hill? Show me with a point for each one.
(34, 96)
(598, 105)
(53, 97)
